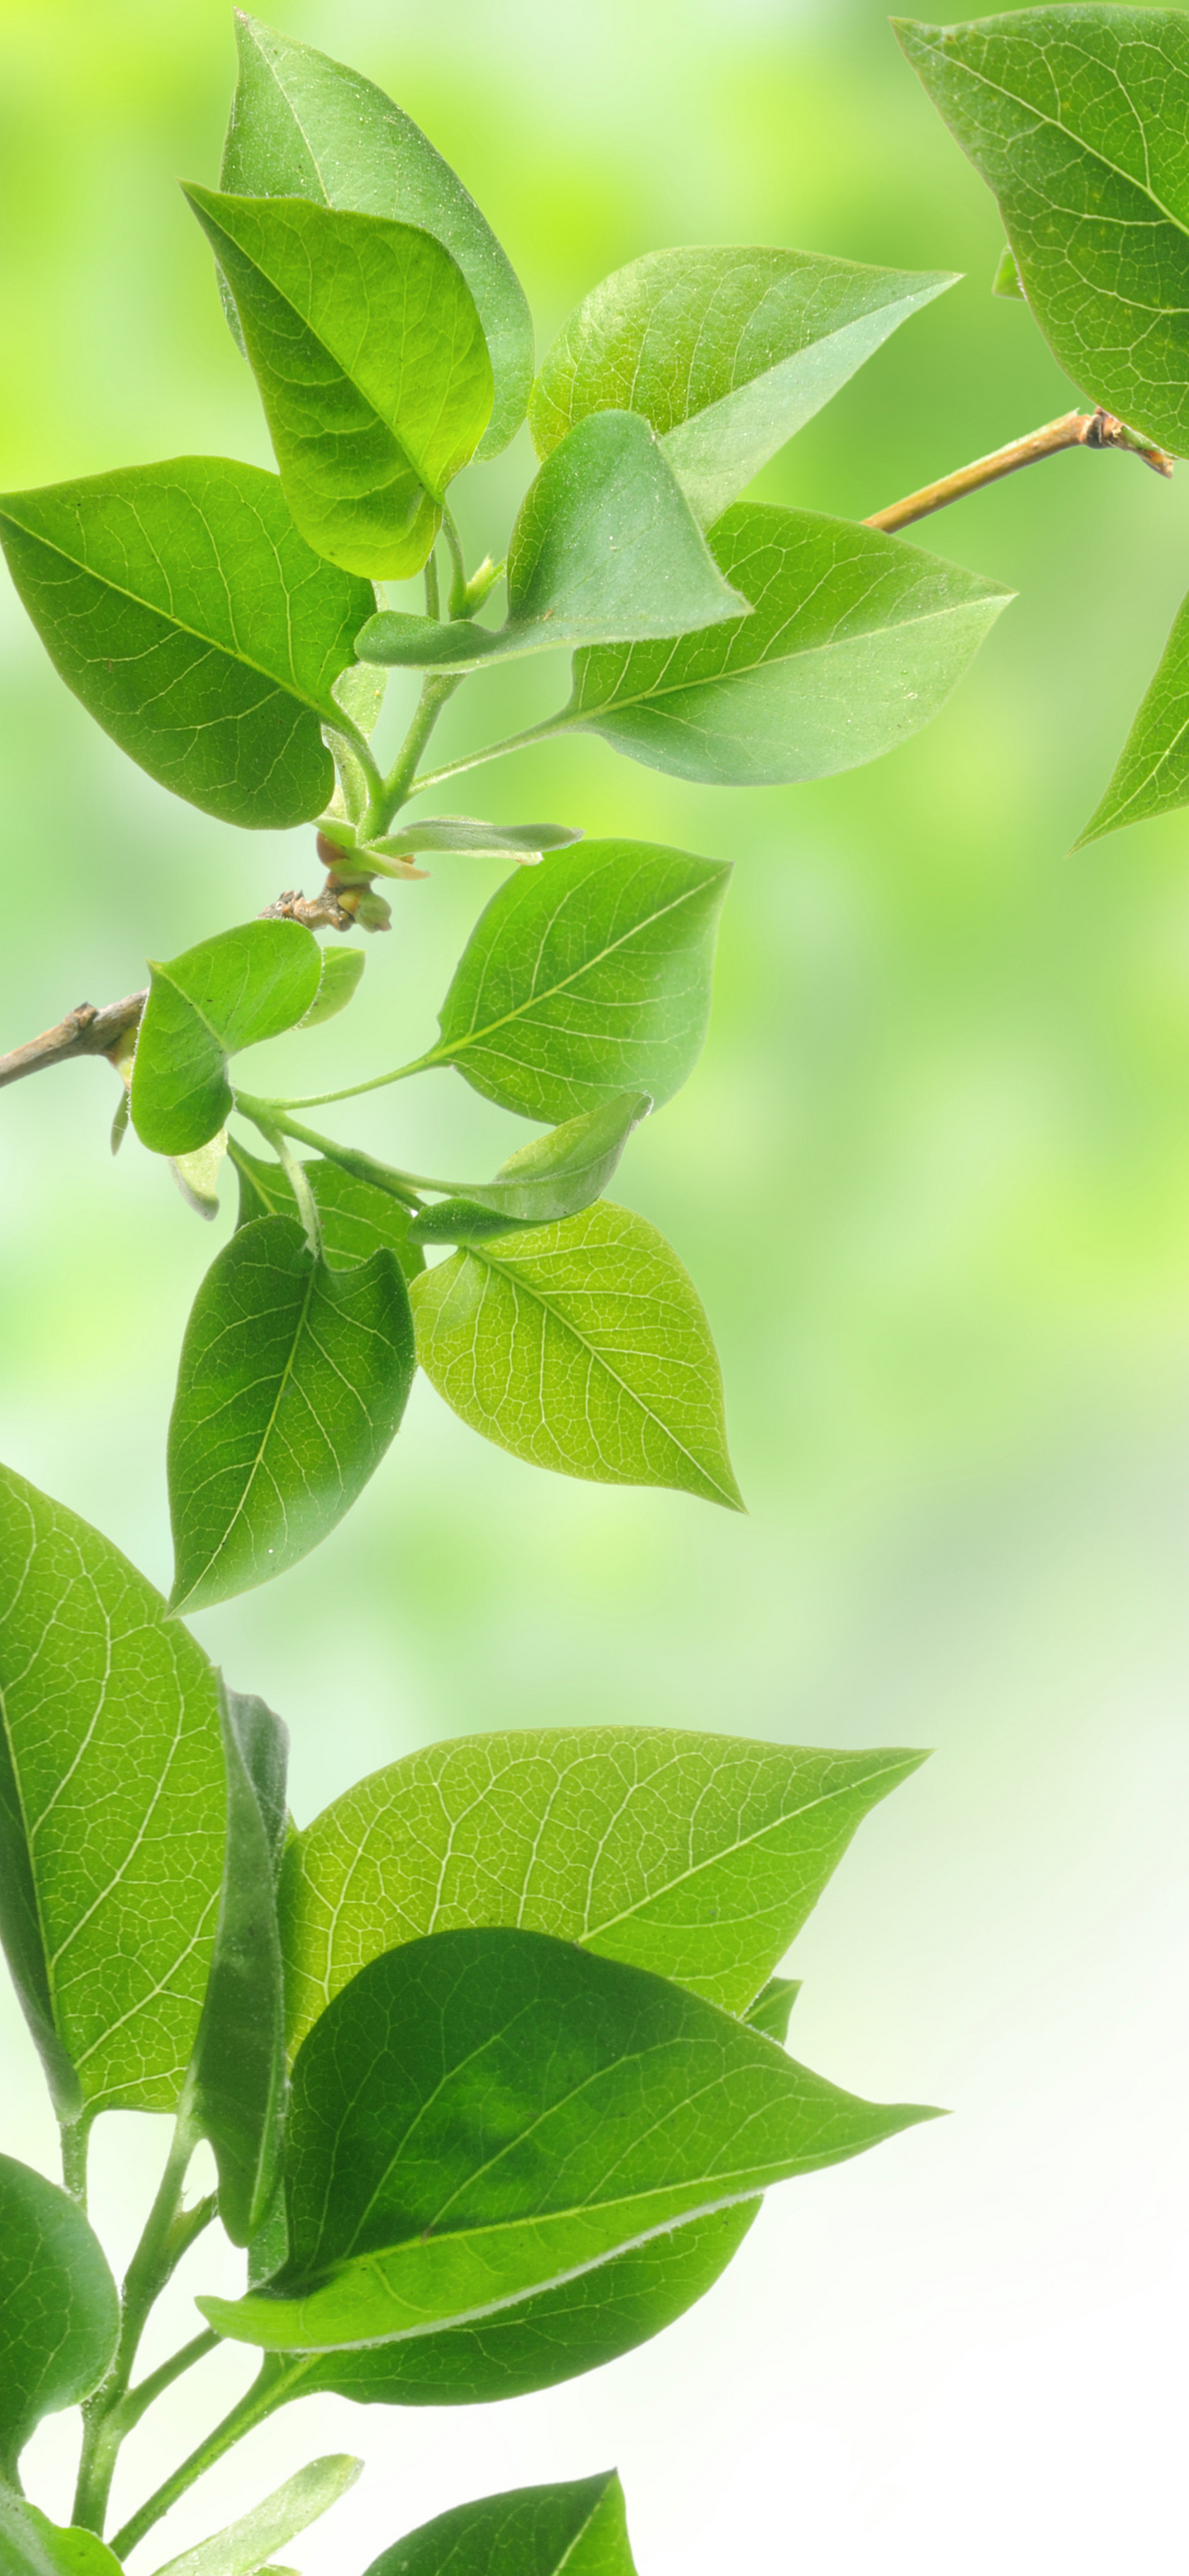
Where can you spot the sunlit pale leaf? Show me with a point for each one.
(341, 972)
(556, 1176)
(241, 2550)
(456, 832)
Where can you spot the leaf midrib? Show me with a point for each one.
(450, 1048)
(999, 89)
(266, 1436)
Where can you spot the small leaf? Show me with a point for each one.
(32, 2546)
(1152, 773)
(292, 1382)
(342, 969)
(773, 2006)
(726, 352)
(371, 363)
(483, 2114)
(525, 841)
(228, 993)
(305, 126)
(580, 2528)
(242, 2549)
(856, 640)
(197, 1175)
(581, 1347)
(111, 1811)
(1006, 280)
(587, 979)
(556, 1176)
(59, 2311)
(357, 1219)
(236, 2089)
(180, 604)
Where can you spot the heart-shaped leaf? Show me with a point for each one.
(556, 1176)
(236, 2087)
(228, 993)
(32, 2546)
(1152, 773)
(356, 1218)
(242, 2549)
(533, 2531)
(59, 2311)
(181, 605)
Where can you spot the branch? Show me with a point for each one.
(1074, 429)
(84, 1031)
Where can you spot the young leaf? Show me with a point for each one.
(32, 2546)
(356, 1218)
(726, 352)
(241, 2550)
(180, 604)
(342, 969)
(111, 1812)
(59, 2311)
(228, 993)
(580, 2528)
(606, 548)
(484, 2114)
(305, 126)
(1152, 773)
(292, 1382)
(524, 841)
(556, 1176)
(855, 641)
(587, 979)
(772, 2008)
(697, 1856)
(372, 368)
(582, 1347)
(236, 2088)
(197, 1174)
(1075, 117)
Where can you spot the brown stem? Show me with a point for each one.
(84, 1031)
(1074, 429)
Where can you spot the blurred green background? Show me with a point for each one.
(932, 1178)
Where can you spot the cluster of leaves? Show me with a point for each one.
(489, 2055)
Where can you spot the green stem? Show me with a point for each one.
(354, 1090)
(76, 2138)
(168, 2233)
(295, 1174)
(147, 2391)
(458, 585)
(398, 786)
(267, 2392)
(273, 1120)
(433, 604)
(562, 723)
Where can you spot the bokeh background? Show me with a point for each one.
(932, 1177)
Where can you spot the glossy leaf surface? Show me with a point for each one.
(236, 2088)
(228, 993)
(1152, 773)
(242, 2549)
(580, 2528)
(482, 2114)
(30, 2545)
(581, 1347)
(305, 126)
(725, 352)
(371, 363)
(1076, 118)
(855, 641)
(357, 1219)
(555, 1176)
(456, 832)
(292, 1382)
(59, 2312)
(586, 979)
(696, 1856)
(181, 605)
(111, 1811)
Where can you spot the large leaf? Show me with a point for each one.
(582, 1347)
(227, 993)
(580, 2528)
(356, 1218)
(855, 641)
(59, 2311)
(181, 605)
(1152, 773)
(305, 126)
(586, 979)
(292, 1381)
(32, 2546)
(236, 2090)
(482, 2114)
(605, 547)
(111, 1811)
(697, 1856)
(1076, 118)
(371, 363)
(241, 2549)
(726, 352)
(555, 1176)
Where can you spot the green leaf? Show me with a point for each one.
(581, 1347)
(1152, 773)
(482, 2114)
(236, 2089)
(197, 1174)
(1076, 118)
(180, 604)
(305, 126)
(556, 1176)
(371, 363)
(59, 2312)
(772, 2008)
(1006, 280)
(696, 1856)
(726, 352)
(32, 2546)
(342, 969)
(292, 1382)
(586, 979)
(357, 1219)
(533, 2531)
(111, 1811)
(856, 641)
(606, 548)
(242, 2549)
(228, 993)
(456, 832)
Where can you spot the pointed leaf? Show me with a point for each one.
(59, 2312)
(292, 1382)
(1152, 773)
(305, 126)
(524, 841)
(180, 604)
(32, 2546)
(236, 2089)
(111, 1811)
(589, 978)
(482, 2114)
(556, 1176)
(371, 363)
(772, 2008)
(581, 1347)
(197, 1174)
(856, 641)
(580, 2528)
(241, 2550)
(228, 993)
(356, 1218)
(342, 969)
(726, 352)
